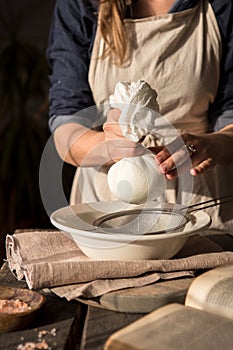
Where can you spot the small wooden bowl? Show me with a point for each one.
(16, 320)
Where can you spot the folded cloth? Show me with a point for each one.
(51, 259)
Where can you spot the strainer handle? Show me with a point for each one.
(209, 203)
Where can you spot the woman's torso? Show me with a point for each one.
(179, 55)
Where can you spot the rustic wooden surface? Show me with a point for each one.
(76, 325)
(65, 320)
(100, 324)
(79, 326)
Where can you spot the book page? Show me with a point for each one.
(174, 327)
(213, 291)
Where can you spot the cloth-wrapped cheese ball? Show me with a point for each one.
(136, 179)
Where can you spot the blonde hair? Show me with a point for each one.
(111, 24)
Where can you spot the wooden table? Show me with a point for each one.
(76, 325)
(87, 326)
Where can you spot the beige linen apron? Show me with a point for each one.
(178, 54)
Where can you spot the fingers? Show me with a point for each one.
(187, 153)
(202, 167)
(111, 127)
(118, 146)
(112, 131)
(180, 169)
(113, 115)
(123, 148)
(170, 164)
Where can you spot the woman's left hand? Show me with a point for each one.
(193, 153)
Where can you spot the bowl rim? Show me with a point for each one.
(201, 221)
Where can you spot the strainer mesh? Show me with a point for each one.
(142, 222)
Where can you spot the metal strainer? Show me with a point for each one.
(141, 221)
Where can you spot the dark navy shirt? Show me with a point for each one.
(69, 51)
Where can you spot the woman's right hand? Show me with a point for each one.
(118, 145)
(111, 127)
(81, 146)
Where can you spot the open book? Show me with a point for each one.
(204, 322)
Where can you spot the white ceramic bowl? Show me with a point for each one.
(77, 222)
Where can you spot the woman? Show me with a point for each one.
(183, 49)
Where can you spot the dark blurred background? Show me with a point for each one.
(24, 84)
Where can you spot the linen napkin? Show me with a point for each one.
(49, 259)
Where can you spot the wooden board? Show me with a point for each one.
(148, 298)
(143, 299)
